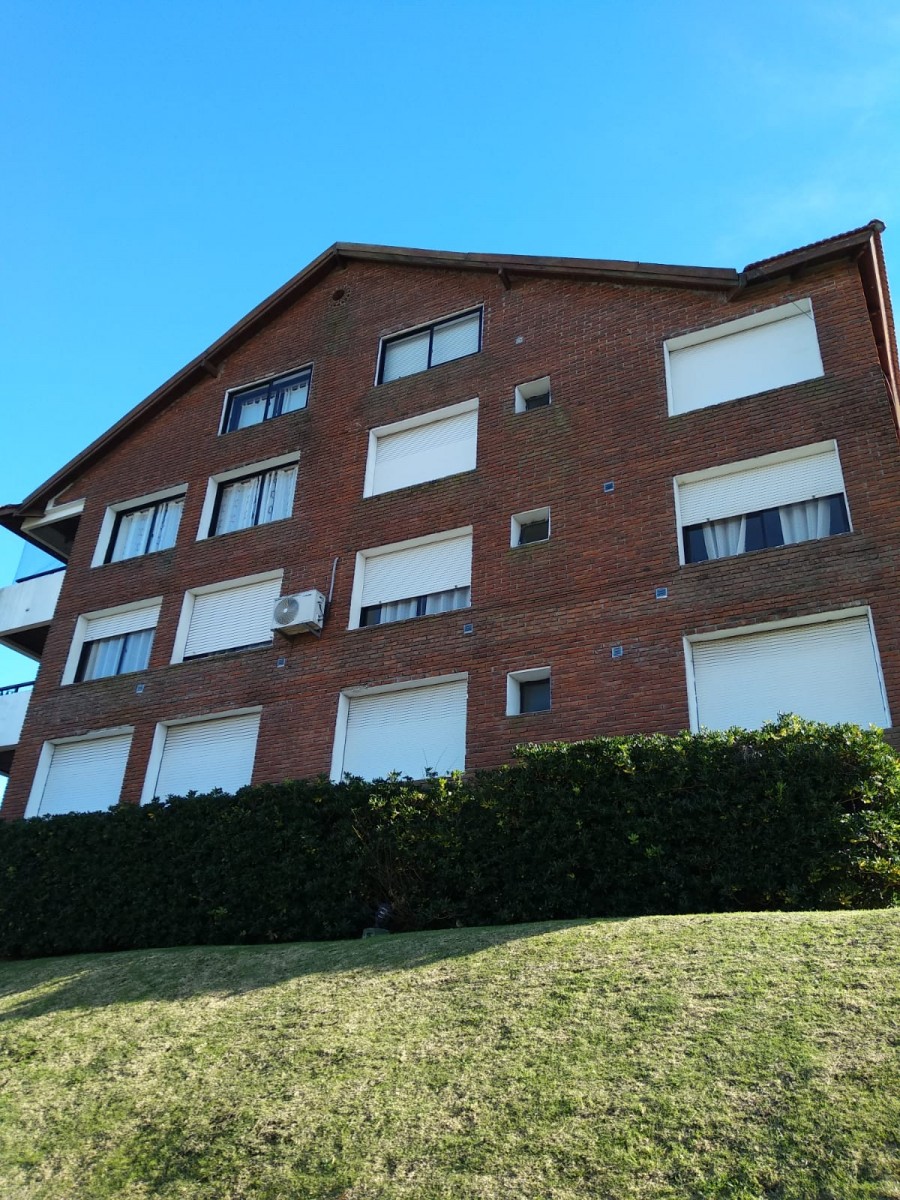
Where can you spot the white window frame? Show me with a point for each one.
(821, 618)
(362, 556)
(265, 380)
(429, 418)
(108, 523)
(81, 629)
(343, 710)
(42, 770)
(517, 520)
(158, 744)
(735, 468)
(215, 481)
(387, 338)
(535, 387)
(224, 585)
(514, 692)
(711, 333)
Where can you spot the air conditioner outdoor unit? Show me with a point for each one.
(303, 612)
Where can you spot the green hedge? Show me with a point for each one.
(797, 815)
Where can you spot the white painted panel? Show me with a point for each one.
(758, 487)
(424, 452)
(231, 617)
(455, 339)
(825, 672)
(418, 570)
(85, 776)
(117, 624)
(208, 754)
(30, 603)
(409, 731)
(405, 357)
(740, 363)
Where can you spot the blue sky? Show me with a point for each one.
(167, 165)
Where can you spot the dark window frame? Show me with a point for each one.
(765, 532)
(222, 484)
(429, 328)
(271, 387)
(539, 686)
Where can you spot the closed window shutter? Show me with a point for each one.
(117, 624)
(755, 488)
(85, 776)
(208, 754)
(455, 339)
(231, 617)
(407, 356)
(740, 363)
(410, 731)
(826, 672)
(443, 447)
(418, 571)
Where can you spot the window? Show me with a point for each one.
(80, 774)
(531, 526)
(422, 448)
(199, 755)
(262, 401)
(777, 499)
(234, 615)
(142, 528)
(113, 642)
(528, 691)
(430, 346)
(413, 729)
(740, 358)
(533, 395)
(258, 497)
(412, 579)
(825, 668)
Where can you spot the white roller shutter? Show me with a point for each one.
(208, 754)
(117, 624)
(85, 776)
(442, 447)
(418, 570)
(409, 731)
(755, 487)
(826, 672)
(733, 361)
(455, 339)
(230, 617)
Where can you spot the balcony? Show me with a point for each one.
(13, 704)
(27, 605)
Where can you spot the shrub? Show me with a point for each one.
(796, 815)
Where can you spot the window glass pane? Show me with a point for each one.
(540, 401)
(131, 534)
(840, 522)
(248, 408)
(694, 545)
(101, 658)
(136, 654)
(237, 504)
(406, 356)
(165, 526)
(534, 531)
(455, 339)
(278, 495)
(534, 695)
(289, 395)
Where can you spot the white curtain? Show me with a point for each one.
(165, 527)
(399, 610)
(131, 536)
(805, 521)
(252, 409)
(448, 601)
(237, 507)
(292, 396)
(136, 655)
(278, 495)
(725, 538)
(109, 656)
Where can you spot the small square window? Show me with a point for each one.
(528, 692)
(531, 526)
(533, 395)
(263, 401)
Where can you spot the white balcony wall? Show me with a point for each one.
(12, 716)
(29, 604)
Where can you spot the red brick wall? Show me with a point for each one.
(562, 603)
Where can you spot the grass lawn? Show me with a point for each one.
(740, 1056)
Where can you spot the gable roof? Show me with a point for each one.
(854, 244)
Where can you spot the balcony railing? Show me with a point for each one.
(14, 700)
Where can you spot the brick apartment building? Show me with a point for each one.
(541, 498)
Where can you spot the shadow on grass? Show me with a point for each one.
(180, 973)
